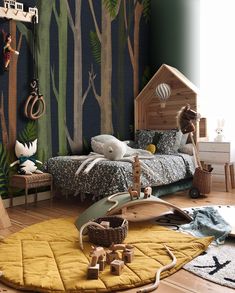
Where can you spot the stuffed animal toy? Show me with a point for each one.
(107, 147)
(114, 149)
(185, 118)
(108, 142)
(26, 159)
(219, 131)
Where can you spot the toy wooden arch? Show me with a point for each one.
(133, 210)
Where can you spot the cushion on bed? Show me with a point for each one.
(184, 139)
(166, 141)
(186, 149)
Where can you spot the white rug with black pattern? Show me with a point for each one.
(217, 263)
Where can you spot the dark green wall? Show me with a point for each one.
(87, 74)
(175, 36)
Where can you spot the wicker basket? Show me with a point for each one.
(105, 237)
(202, 181)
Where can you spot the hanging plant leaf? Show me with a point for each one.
(4, 171)
(147, 10)
(111, 6)
(29, 133)
(95, 47)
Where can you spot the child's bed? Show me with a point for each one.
(169, 166)
(109, 177)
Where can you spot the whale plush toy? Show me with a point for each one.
(26, 159)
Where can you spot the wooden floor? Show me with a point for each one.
(181, 281)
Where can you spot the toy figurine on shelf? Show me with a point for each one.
(7, 50)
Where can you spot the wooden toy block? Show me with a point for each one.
(105, 224)
(127, 256)
(93, 272)
(102, 264)
(111, 256)
(116, 267)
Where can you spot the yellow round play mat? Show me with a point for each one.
(46, 257)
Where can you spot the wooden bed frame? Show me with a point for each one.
(148, 111)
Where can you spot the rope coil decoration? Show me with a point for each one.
(35, 104)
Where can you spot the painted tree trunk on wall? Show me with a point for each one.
(62, 24)
(105, 100)
(12, 92)
(134, 49)
(105, 37)
(43, 58)
(76, 142)
(120, 73)
(137, 17)
(3, 123)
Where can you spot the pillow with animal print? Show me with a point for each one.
(166, 141)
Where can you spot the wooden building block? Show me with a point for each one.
(93, 272)
(116, 267)
(4, 218)
(110, 256)
(127, 256)
(105, 224)
(102, 263)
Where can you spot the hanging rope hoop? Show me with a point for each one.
(35, 105)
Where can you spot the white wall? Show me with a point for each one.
(217, 64)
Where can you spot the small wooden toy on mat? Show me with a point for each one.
(116, 267)
(98, 258)
(127, 251)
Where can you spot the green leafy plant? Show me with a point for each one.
(29, 133)
(111, 6)
(147, 9)
(4, 171)
(95, 46)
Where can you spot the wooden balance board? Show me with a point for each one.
(133, 210)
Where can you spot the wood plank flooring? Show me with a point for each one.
(181, 281)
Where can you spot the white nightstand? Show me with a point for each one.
(221, 156)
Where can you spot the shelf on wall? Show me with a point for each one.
(15, 14)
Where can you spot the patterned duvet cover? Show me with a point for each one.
(109, 177)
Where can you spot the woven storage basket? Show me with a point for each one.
(105, 237)
(202, 181)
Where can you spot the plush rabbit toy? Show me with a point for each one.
(26, 159)
(219, 130)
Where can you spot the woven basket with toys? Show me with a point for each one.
(114, 231)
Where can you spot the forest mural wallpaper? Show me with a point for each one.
(91, 60)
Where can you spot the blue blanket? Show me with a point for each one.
(208, 222)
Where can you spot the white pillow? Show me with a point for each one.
(187, 149)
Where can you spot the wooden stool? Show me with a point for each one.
(31, 181)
